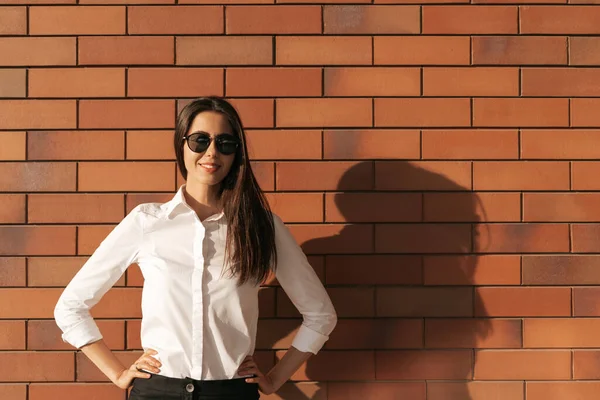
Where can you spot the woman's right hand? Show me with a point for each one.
(146, 362)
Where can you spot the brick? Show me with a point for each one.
(519, 50)
(334, 239)
(383, 270)
(113, 114)
(75, 208)
(560, 332)
(254, 113)
(422, 50)
(586, 301)
(583, 173)
(385, 333)
(419, 365)
(311, 390)
(37, 51)
(119, 303)
(133, 335)
(28, 303)
(224, 50)
(567, 82)
(77, 20)
(514, 365)
(145, 2)
(169, 82)
(574, 20)
(12, 209)
(38, 114)
(584, 51)
(37, 177)
(558, 207)
(369, 81)
(418, 175)
(297, 207)
(276, 333)
(371, 19)
(324, 176)
(134, 276)
(175, 20)
(475, 390)
(75, 145)
(90, 236)
(150, 145)
(561, 390)
(585, 364)
(559, 144)
(371, 144)
(273, 82)
(327, 112)
(284, 144)
(473, 333)
(265, 174)
(14, 20)
(77, 82)
(36, 366)
(323, 50)
(585, 238)
(12, 145)
(561, 270)
(45, 335)
(469, 81)
(13, 83)
(424, 302)
(273, 19)
(336, 365)
(322, 2)
(469, 19)
(125, 176)
(521, 175)
(524, 302)
(76, 390)
(12, 271)
(392, 207)
(37, 240)
(472, 270)
(55, 271)
(583, 113)
(13, 392)
(475, 207)
(266, 302)
(521, 112)
(126, 50)
(12, 335)
(376, 390)
(422, 112)
(453, 144)
(526, 238)
(87, 372)
(348, 302)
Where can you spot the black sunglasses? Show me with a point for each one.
(199, 142)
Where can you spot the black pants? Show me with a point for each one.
(159, 387)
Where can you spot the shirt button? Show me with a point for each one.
(189, 387)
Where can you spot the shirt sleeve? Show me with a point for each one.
(304, 288)
(100, 272)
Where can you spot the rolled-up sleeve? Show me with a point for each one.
(304, 288)
(105, 266)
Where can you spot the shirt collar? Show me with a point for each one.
(178, 203)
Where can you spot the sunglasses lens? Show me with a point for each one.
(227, 144)
(198, 143)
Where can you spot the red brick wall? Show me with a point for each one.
(437, 163)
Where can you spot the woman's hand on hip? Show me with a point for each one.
(265, 383)
(145, 362)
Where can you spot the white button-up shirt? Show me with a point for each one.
(201, 323)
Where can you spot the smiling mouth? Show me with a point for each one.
(210, 167)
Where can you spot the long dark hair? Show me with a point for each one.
(250, 242)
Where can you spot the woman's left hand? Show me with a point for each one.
(249, 367)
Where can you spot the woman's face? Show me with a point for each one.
(209, 167)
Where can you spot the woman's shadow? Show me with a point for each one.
(401, 273)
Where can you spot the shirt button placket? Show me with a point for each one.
(198, 311)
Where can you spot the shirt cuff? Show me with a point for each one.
(307, 340)
(81, 334)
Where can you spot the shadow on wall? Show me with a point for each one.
(401, 274)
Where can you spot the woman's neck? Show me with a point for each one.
(202, 199)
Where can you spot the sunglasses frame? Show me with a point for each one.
(211, 139)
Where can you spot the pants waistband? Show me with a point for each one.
(190, 385)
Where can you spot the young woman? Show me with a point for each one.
(203, 256)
